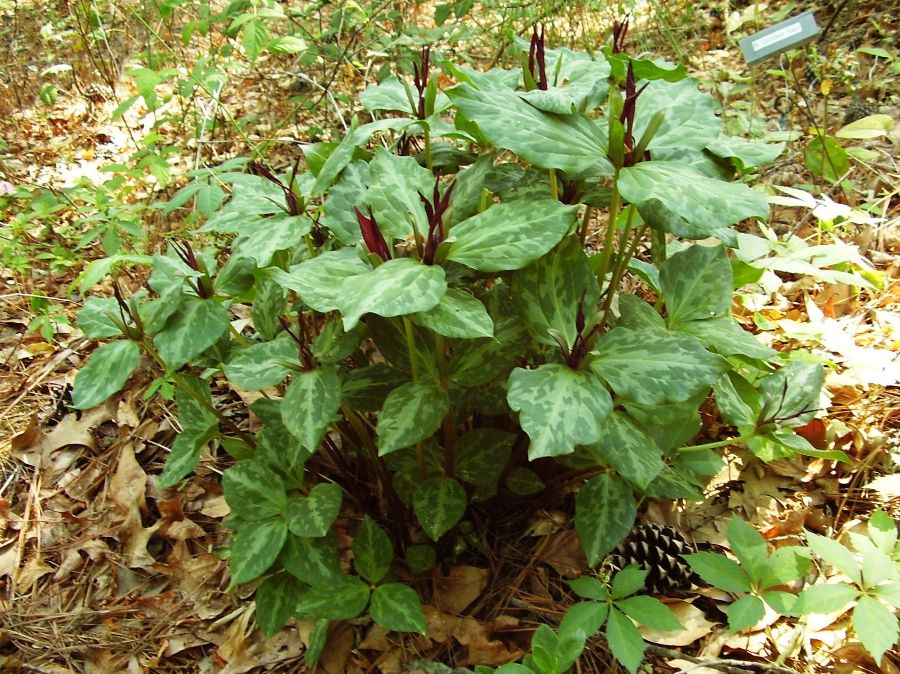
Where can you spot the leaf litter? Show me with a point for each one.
(101, 571)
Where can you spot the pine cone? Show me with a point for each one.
(658, 550)
(858, 110)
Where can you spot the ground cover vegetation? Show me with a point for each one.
(495, 294)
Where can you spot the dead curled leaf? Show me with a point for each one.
(481, 649)
(460, 587)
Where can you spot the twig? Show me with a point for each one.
(723, 665)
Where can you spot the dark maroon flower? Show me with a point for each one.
(372, 236)
(420, 79)
(290, 199)
(628, 112)
(434, 210)
(620, 30)
(536, 58)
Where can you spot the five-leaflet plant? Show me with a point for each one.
(428, 332)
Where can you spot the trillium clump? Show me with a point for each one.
(429, 333)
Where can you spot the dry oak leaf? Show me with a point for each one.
(460, 587)
(481, 649)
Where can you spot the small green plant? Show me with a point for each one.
(874, 583)
(616, 605)
(430, 333)
(754, 576)
(48, 317)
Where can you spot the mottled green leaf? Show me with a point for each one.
(343, 598)
(312, 516)
(478, 361)
(750, 153)
(275, 602)
(255, 547)
(655, 369)
(679, 200)
(105, 372)
(792, 393)
(457, 315)
(366, 388)
(690, 115)
(372, 551)
(623, 445)
(510, 235)
(411, 412)
(605, 511)
(394, 186)
(696, 283)
(95, 318)
(198, 324)
(396, 288)
(311, 402)
(312, 560)
(268, 307)
(253, 491)
(560, 407)
(550, 292)
(263, 364)
(346, 194)
(725, 336)
(481, 454)
(396, 607)
(572, 143)
(439, 503)
(261, 238)
(318, 281)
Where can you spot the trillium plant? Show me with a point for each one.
(430, 321)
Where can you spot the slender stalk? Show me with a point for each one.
(411, 348)
(200, 400)
(658, 247)
(585, 223)
(605, 255)
(429, 161)
(718, 443)
(448, 426)
(554, 185)
(414, 366)
(625, 254)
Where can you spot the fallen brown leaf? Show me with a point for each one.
(460, 587)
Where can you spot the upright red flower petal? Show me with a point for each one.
(372, 236)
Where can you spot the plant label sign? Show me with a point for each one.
(793, 32)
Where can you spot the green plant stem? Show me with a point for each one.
(200, 400)
(429, 161)
(411, 348)
(622, 260)
(658, 247)
(585, 223)
(448, 426)
(718, 443)
(554, 185)
(605, 255)
(414, 366)
(243, 341)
